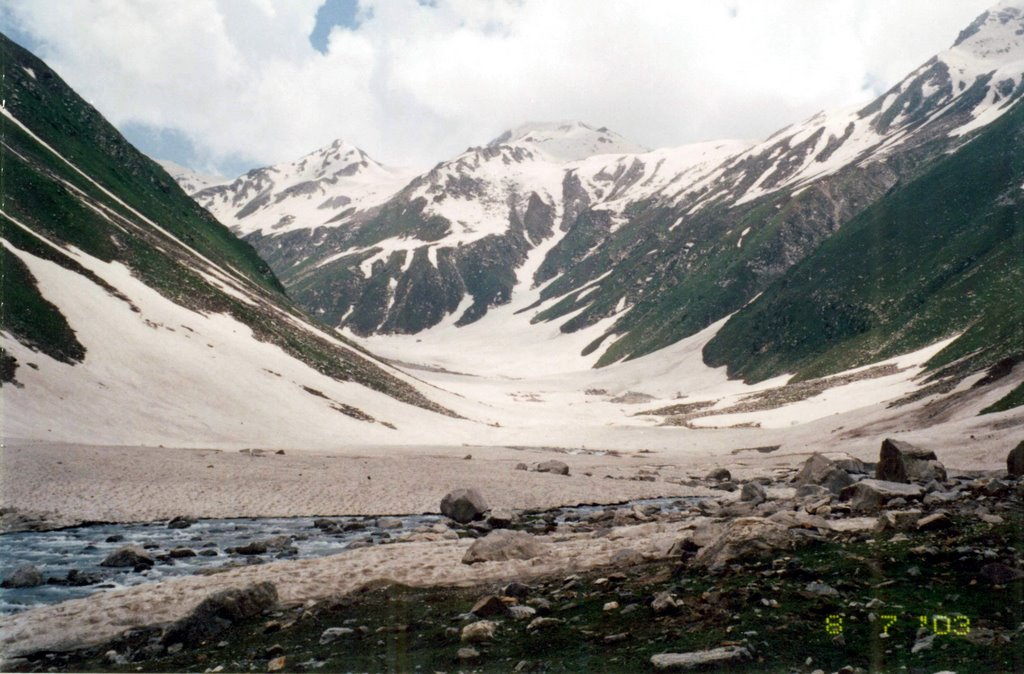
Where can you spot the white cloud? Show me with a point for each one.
(414, 84)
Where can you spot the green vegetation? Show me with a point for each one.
(763, 603)
(940, 255)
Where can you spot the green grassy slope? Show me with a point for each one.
(49, 209)
(940, 255)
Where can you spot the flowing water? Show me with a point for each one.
(82, 548)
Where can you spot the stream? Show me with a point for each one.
(82, 549)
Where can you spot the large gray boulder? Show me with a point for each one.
(903, 462)
(464, 505)
(870, 495)
(130, 555)
(504, 544)
(23, 576)
(220, 611)
(1015, 460)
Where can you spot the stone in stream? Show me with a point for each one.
(76, 578)
(903, 462)
(502, 545)
(181, 553)
(129, 555)
(23, 576)
(716, 657)
(220, 611)
(1015, 460)
(870, 495)
(180, 522)
(464, 505)
(556, 467)
(389, 523)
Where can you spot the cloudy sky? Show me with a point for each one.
(225, 85)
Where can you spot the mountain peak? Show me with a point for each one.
(998, 34)
(567, 141)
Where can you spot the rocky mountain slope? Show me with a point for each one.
(640, 248)
(131, 314)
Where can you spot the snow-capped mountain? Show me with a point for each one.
(131, 316)
(591, 232)
(323, 188)
(189, 180)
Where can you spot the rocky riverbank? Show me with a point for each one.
(823, 568)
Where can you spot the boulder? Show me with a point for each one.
(556, 467)
(220, 611)
(823, 471)
(903, 462)
(1015, 460)
(715, 657)
(23, 576)
(743, 538)
(870, 495)
(753, 492)
(719, 475)
(130, 555)
(502, 545)
(464, 505)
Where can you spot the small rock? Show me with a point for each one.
(556, 467)
(522, 612)
(23, 576)
(522, 466)
(719, 475)
(389, 523)
(181, 553)
(935, 521)
(923, 644)
(610, 606)
(542, 622)
(821, 589)
(274, 651)
(517, 590)
(698, 659)
(277, 664)
(481, 630)
(753, 492)
(180, 522)
(489, 606)
(1000, 574)
(897, 520)
(501, 518)
(467, 654)
(664, 602)
(464, 505)
(333, 633)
